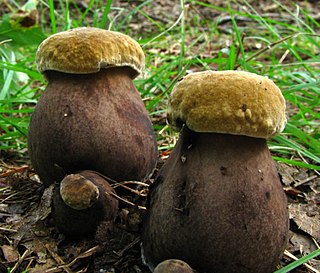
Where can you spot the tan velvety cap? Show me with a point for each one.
(78, 192)
(86, 50)
(231, 102)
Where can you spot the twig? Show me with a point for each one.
(284, 56)
(58, 259)
(116, 184)
(83, 255)
(9, 197)
(131, 190)
(127, 202)
(315, 242)
(5, 188)
(8, 229)
(67, 266)
(21, 259)
(139, 183)
(124, 183)
(163, 129)
(5, 41)
(127, 247)
(30, 263)
(14, 170)
(305, 180)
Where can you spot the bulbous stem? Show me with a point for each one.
(217, 196)
(93, 121)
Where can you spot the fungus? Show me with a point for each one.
(90, 115)
(81, 202)
(217, 202)
(173, 266)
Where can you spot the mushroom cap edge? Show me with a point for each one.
(231, 102)
(86, 50)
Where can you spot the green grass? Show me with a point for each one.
(299, 262)
(287, 50)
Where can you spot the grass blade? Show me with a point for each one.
(52, 16)
(299, 262)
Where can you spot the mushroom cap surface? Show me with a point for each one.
(86, 50)
(78, 192)
(173, 266)
(230, 102)
(77, 212)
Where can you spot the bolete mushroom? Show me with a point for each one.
(173, 266)
(91, 116)
(81, 202)
(217, 202)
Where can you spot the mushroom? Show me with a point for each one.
(91, 116)
(81, 202)
(173, 266)
(217, 203)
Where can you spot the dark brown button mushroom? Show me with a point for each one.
(81, 202)
(173, 266)
(91, 116)
(217, 202)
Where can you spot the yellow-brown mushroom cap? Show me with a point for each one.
(173, 266)
(231, 102)
(78, 192)
(86, 50)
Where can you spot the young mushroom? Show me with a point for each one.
(217, 202)
(173, 266)
(81, 202)
(91, 116)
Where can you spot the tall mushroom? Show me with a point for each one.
(217, 202)
(91, 116)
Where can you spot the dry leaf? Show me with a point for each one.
(306, 219)
(302, 243)
(10, 253)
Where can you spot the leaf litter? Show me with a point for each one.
(29, 239)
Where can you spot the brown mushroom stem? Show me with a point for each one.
(92, 121)
(81, 202)
(217, 204)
